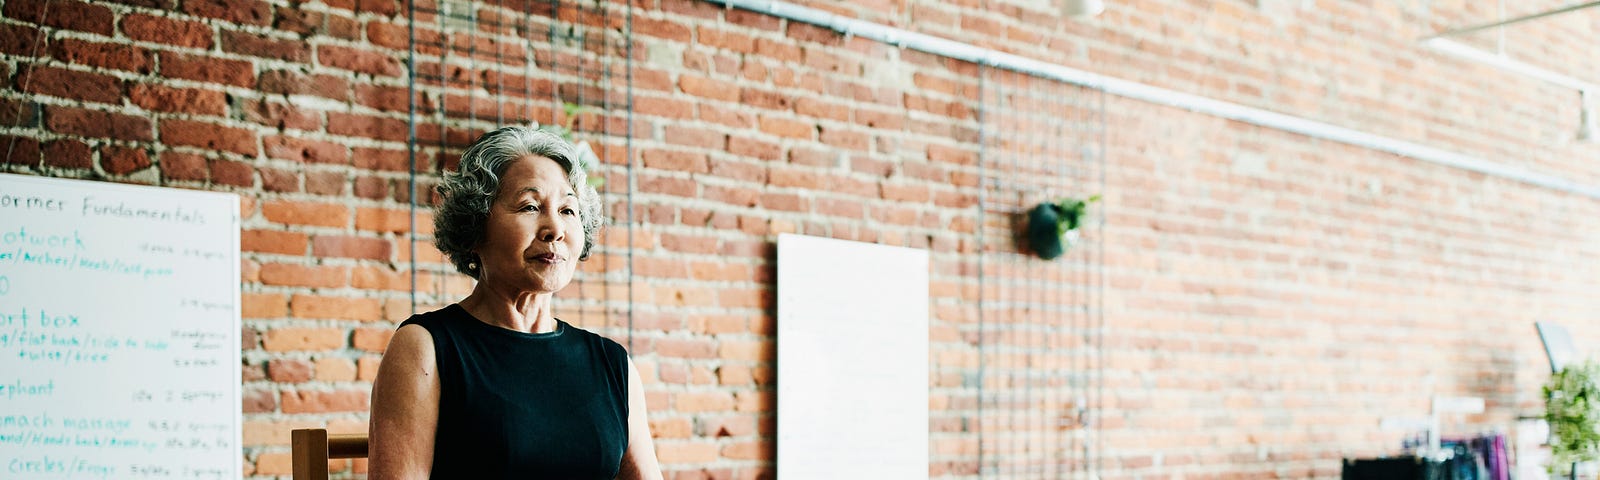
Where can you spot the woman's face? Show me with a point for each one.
(534, 234)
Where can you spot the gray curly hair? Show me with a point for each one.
(461, 219)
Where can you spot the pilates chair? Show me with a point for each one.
(313, 447)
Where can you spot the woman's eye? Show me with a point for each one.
(527, 208)
(568, 211)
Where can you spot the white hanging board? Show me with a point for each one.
(852, 360)
(119, 331)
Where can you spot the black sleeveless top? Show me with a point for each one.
(520, 405)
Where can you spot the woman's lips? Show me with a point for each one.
(549, 258)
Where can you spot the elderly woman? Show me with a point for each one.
(496, 386)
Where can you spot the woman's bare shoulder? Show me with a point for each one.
(411, 342)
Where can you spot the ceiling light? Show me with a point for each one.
(1082, 8)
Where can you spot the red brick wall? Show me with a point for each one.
(1267, 297)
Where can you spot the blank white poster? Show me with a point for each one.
(852, 360)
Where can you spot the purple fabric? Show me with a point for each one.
(1503, 458)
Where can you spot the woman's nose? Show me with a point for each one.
(550, 229)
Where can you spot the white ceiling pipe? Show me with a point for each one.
(1156, 95)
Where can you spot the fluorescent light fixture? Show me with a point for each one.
(1082, 8)
(1587, 130)
(1502, 62)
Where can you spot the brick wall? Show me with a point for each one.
(1267, 298)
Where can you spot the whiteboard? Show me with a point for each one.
(119, 331)
(852, 360)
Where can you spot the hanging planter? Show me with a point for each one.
(1572, 408)
(1053, 227)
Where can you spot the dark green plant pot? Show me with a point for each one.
(1044, 230)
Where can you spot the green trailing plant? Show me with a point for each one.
(1572, 408)
(587, 160)
(1072, 213)
(1052, 227)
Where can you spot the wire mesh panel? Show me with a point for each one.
(562, 65)
(1041, 320)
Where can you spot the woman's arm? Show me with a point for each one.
(639, 461)
(405, 408)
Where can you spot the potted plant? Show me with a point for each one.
(1572, 408)
(586, 156)
(1053, 226)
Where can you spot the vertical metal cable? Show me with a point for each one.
(499, 63)
(1005, 315)
(447, 51)
(604, 64)
(44, 16)
(554, 66)
(411, 144)
(441, 115)
(1027, 161)
(1028, 278)
(604, 60)
(1008, 340)
(998, 269)
(1038, 318)
(604, 134)
(1072, 280)
(472, 75)
(1078, 277)
(1066, 174)
(1008, 272)
(1099, 311)
(1059, 298)
(1041, 371)
(1085, 405)
(528, 58)
(627, 41)
(1079, 311)
(982, 229)
(573, 43)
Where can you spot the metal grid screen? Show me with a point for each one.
(1040, 320)
(480, 65)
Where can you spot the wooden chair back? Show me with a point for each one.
(313, 447)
